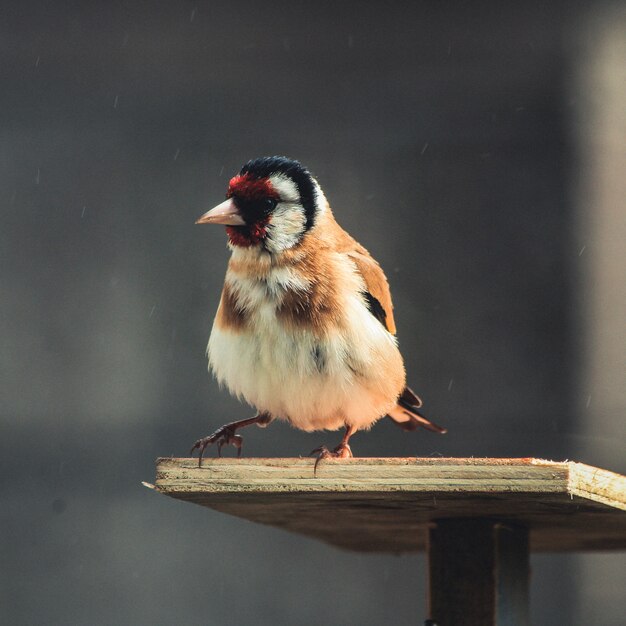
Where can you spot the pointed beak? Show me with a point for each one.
(225, 213)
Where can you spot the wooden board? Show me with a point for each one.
(388, 504)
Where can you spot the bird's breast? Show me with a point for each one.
(298, 347)
(280, 317)
(293, 297)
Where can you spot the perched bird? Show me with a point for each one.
(304, 331)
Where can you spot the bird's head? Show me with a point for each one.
(272, 203)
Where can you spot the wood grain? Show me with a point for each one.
(388, 504)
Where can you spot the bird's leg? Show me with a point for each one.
(226, 435)
(342, 451)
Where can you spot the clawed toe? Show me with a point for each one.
(226, 435)
(222, 437)
(342, 451)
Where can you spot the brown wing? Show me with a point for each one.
(378, 295)
(406, 413)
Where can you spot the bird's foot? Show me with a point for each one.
(226, 435)
(342, 451)
(222, 437)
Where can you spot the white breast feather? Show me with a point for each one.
(275, 369)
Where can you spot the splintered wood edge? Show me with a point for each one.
(599, 485)
(294, 475)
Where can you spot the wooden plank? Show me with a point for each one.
(388, 504)
(478, 573)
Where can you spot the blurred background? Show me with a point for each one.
(476, 149)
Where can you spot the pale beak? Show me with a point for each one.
(225, 213)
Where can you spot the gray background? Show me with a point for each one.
(445, 137)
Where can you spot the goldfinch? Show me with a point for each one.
(304, 331)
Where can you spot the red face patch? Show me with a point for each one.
(247, 188)
(250, 194)
(246, 236)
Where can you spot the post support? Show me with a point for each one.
(478, 573)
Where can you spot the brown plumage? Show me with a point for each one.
(229, 314)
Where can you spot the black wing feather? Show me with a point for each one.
(375, 308)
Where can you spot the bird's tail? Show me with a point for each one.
(406, 413)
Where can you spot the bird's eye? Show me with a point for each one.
(269, 204)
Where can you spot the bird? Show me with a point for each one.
(304, 331)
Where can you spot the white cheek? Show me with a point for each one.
(286, 227)
(285, 187)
